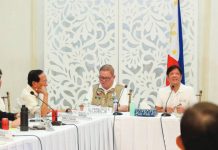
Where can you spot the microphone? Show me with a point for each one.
(55, 123)
(166, 114)
(121, 93)
(32, 93)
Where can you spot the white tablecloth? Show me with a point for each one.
(144, 133)
(131, 133)
(95, 134)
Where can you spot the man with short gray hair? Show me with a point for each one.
(101, 94)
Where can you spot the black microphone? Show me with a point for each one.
(55, 123)
(166, 114)
(121, 93)
(32, 93)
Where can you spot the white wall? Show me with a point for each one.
(18, 50)
(21, 44)
(82, 35)
(213, 86)
(208, 62)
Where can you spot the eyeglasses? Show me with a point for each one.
(43, 81)
(104, 78)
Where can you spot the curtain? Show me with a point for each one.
(208, 53)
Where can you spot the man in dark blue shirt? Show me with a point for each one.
(11, 116)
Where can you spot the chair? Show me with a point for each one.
(199, 95)
(7, 101)
(130, 98)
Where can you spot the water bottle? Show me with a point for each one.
(24, 118)
(115, 103)
(86, 104)
(132, 108)
(54, 115)
(5, 124)
(37, 115)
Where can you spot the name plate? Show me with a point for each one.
(68, 118)
(145, 112)
(98, 110)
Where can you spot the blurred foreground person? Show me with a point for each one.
(199, 128)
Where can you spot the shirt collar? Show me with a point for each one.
(112, 87)
(31, 89)
(181, 88)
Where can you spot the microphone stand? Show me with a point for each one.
(116, 111)
(54, 123)
(165, 113)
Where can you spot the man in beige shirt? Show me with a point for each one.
(101, 94)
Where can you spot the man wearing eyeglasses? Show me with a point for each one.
(37, 83)
(101, 94)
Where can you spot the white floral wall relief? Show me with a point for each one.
(132, 35)
(145, 42)
(80, 37)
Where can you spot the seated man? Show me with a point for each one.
(102, 94)
(37, 83)
(199, 128)
(178, 95)
(11, 116)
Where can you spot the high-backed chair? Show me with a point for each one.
(130, 98)
(199, 95)
(7, 102)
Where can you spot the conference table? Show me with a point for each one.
(94, 134)
(146, 133)
(101, 132)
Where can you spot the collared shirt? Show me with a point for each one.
(124, 97)
(29, 100)
(184, 96)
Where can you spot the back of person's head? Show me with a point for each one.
(171, 68)
(107, 67)
(199, 127)
(33, 76)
